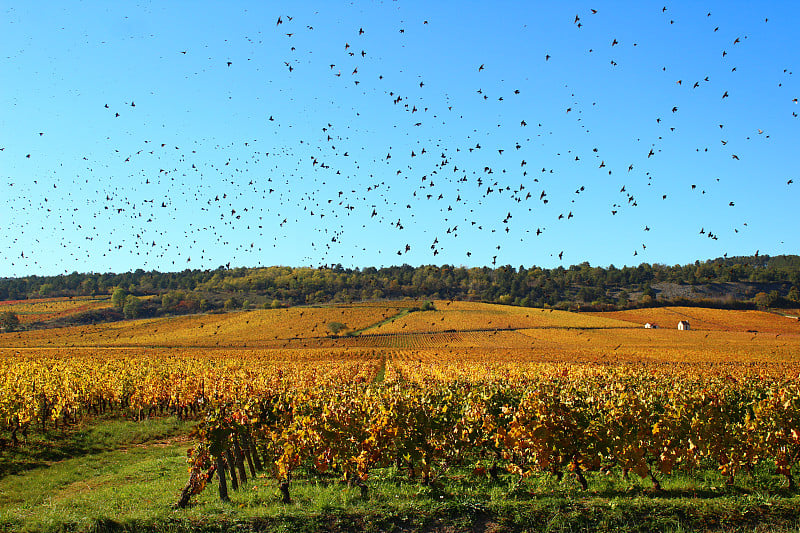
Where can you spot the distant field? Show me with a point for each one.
(459, 329)
(710, 319)
(469, 315)
(42, 309)
(272, 328)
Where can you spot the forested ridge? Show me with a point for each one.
(735, 281)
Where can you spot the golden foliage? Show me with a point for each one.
(41, 309)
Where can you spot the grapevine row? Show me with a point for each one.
(563, 419)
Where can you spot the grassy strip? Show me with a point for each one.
(381, 373)
(392, 318)
(127, 486)
(144, 507)
(95, 435)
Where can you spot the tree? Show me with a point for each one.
(586, 294)
(764, 300)
(132, 307)
(171, 299)
(623, 297)
(428, 306)
(504, 299)
(794, 294)
(46, 289)
(336, 327)
(8, 321)
(89, 286)
(118, 297)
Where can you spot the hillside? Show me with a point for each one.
(741, 282)
(490, 332)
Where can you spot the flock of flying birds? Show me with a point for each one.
(249, 194)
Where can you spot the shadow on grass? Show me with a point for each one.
(42, 449)
(554, 514)
(95, 435)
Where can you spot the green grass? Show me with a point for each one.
(71, 479)
(42, 449)
(125, 476)
(376, 325)
(381, 373)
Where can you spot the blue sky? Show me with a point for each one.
(120, 151)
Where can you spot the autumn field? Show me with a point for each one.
(712, 319)
(403, 411)
(43, 309)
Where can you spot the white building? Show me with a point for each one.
(683, 325)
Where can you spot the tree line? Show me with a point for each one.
(768, 282)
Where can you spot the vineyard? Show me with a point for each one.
(43, 309)
(711, 319)
(501, 393)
